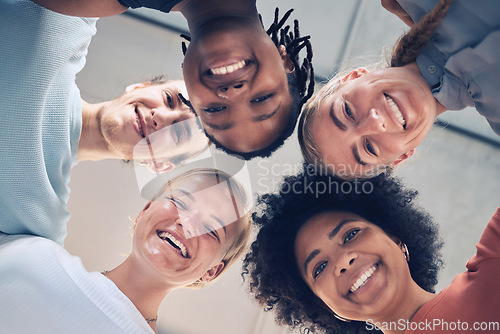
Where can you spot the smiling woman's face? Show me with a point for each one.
(352, 265)
(185, 233)
(374, 119)
(237, 83)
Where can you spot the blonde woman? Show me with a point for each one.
(189, 234)
(364, 122)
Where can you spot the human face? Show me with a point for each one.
(184, 235)
(237, 83)
(161, 150)
(352, 265)
(374, 119)
(142, 110)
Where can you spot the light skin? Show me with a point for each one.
(112, 129)
(367, 131)
(155, 267)
(249, 107)
(334, 249)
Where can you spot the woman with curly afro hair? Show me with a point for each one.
(339, 262)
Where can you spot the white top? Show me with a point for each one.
(41, 115)
(44, 289)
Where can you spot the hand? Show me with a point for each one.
(394, 7)
(161, 5)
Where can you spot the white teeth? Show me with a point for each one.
(395, 109)
(172, 239)
(139, 124)
(228, 69)
(363, 279)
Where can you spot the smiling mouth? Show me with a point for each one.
(395, 109)
(138, 118)
(176, 244)
(363, 279)
(228, 69)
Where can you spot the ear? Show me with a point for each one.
(161, 166)
(403, 157)
(213, 272)
(360, 71)
(157, 166)
(286, 60)
(136, 86)
(139, 216)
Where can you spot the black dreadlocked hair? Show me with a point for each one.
(300, 81)
(271, 268)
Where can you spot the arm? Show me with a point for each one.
(489, 245)
(84, 8)
(394, 7)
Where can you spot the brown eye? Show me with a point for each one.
(348, 111)
(318, 269)
(170, 102)
(370, 148)
(350, 235)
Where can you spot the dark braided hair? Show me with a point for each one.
(300, 81)
(271, 268)
(411, 44)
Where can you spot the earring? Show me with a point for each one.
(340, 318)
(406, 252)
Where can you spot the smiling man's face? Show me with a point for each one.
(237, 84)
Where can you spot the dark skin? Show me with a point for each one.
(357, 270)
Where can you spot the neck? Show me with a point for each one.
(200, 12)
(405, 308)
(92, 145)
(142, 287)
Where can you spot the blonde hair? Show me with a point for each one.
(238, 246)
(404, 52)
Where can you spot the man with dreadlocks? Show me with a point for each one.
(364, 121)
(246, 84)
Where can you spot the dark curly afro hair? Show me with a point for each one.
(270, 266)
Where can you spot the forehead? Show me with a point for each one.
(213, 195)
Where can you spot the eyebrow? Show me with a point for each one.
(261, 118)
(355, 152)
(187, 194)
(331, 235)
(335, 120)
(309, 259)
(220, 222)
(337, 228)
(225, 126)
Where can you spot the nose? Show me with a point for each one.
(344, 263)
(162, 117)
(232, 90)
(189, 222)
(374, 123)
